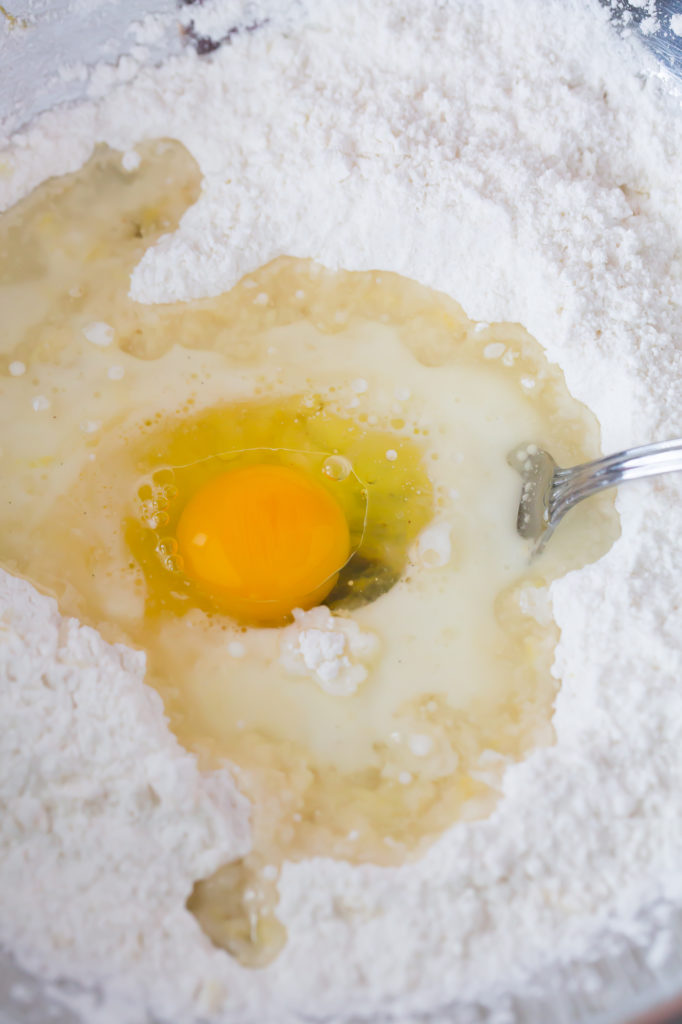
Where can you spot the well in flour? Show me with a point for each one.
(527, 169)
(423, 632)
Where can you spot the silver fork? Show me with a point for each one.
(548, 492)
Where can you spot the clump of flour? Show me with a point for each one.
(510, 155)
(327, 648)
(433, 547)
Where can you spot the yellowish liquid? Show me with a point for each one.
(370, 366)
(385, 503)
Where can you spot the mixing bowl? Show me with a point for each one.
(46, 58)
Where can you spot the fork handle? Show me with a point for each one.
(572, 485)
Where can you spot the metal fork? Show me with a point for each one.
(548, 492)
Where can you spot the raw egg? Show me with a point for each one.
(263, 507)
(264, 539)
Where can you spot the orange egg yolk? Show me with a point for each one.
(263, 540)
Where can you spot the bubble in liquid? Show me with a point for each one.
(151, 515)
(167, 547)
(163, 476)
(337, 468)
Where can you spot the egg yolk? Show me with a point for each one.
(263, 540)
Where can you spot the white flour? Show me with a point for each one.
(327, 648)
(502, 152)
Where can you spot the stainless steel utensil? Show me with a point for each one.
(548, 492)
